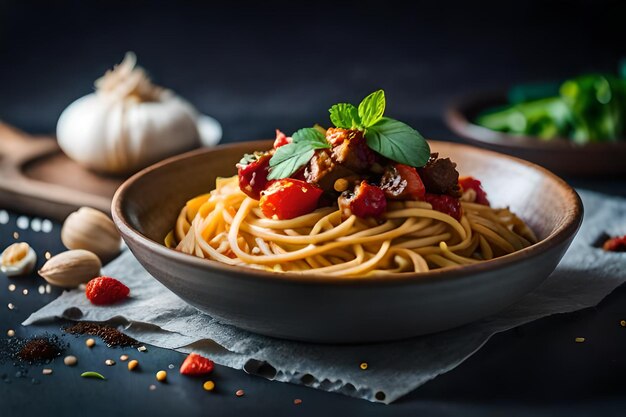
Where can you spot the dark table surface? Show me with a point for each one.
(256, 67)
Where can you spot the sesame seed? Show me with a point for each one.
(579, 339)
(12, 287)
(48, 289)
(124, 358)
(70, 360)
(46, 371)
(11, 306)
(25, 291)
(41, 289)
(109, 362)
(16, 235)
(47, 255)
(240, 393)
(10, 332)
(170, 366)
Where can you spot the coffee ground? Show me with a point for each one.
(35, 350)
(109, 335)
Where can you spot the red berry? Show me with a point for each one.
(195, 364)
(105, 291)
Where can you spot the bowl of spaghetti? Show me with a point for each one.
(331, 241)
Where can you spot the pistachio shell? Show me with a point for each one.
(71, 268)
(91, 230)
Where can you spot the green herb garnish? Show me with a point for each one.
(291, 157)
(91, 374)
(389, 137)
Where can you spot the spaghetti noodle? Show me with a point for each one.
(228, 226)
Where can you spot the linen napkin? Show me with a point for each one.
(156, 316)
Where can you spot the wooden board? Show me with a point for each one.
(37, 178)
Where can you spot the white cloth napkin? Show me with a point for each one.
(156, 316)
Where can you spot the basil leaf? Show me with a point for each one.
(291, 157)
(398, 142)
(372, 108)
(345, 115)
(311, 135)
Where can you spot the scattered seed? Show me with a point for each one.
(161, 376)
(297, 401)
(363, 365)
(622, 323)
(124, 358)
(41, 289)
(91, 374)
(90, 342)
(10, 332)
(46, 371)
(579, 339)
(4, 217)
(240, 393)
(48, 289)
(25, 291)
(11, 306)
(47, 255)
(70, 360)
(35, 224)
(170, 366)
(132, 364)
(152, 387)
(16, 235)
(46, 226)
(11, 287)
(22, 222)
(208, 386)
(142, 348)
(109, 362)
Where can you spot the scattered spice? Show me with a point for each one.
(363, 365)
(170, 366)
(40, 349)
(240, 393)
(161, 376)
(47, 255)
(142, 348)
(70, 360)
(297, 401)
(579, 339)
(90, 342)
(41, 290)
(123, 358)
(109, 362)
(46, 371)
(25, 291)
(10, 332)
(12, 287)
(16, 235)
(152, 387)
(622, 323)
(133, 364)
(48, 289)
(208, 386)
(109, 335)
(91, 374)
(11, 306)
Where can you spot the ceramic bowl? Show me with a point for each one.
(338, 310)
(559, 155)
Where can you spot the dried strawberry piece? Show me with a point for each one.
(195, 364)
(105, 291)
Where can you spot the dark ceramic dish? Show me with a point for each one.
(339, 310)
(560, 155)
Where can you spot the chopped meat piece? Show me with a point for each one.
(323, 171)
(445, 204)
(353, 153)
(366, 201)
(402, 182)
(336, 135)
(440, 176)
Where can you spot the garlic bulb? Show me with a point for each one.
(18, 259)
(127, 124)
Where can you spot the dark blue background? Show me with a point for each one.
(256, 66)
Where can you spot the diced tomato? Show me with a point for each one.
(616, 244)
(281, 139)
(415, 189)
(253, 176)
(445, 204)
(367, 201)
(471, 183)
(288, 198)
